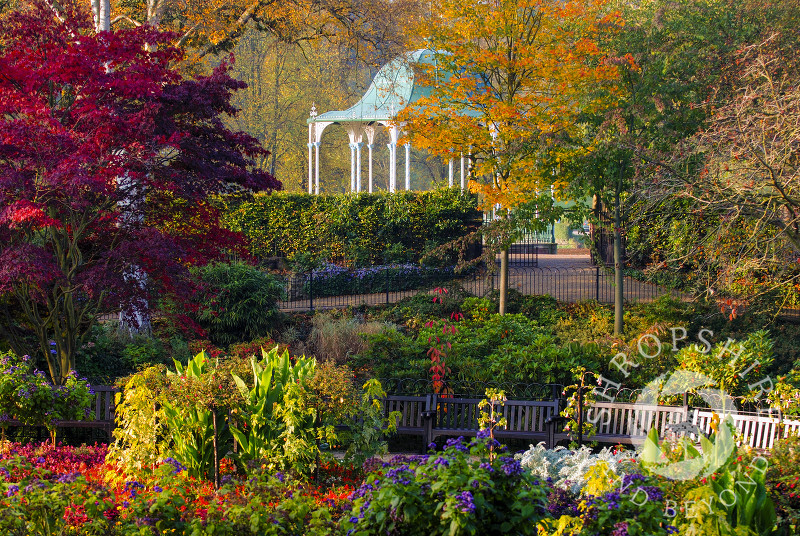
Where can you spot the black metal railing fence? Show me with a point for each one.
(323, 290)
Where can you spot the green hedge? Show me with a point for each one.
(360, 230)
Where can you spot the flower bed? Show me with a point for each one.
(63, 490)
(333, 280)
(469, 487)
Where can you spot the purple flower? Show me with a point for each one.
(69, 478)
(562, 502)
(457, 443)
(511, 466)
(465, 504)
(12, 490)
(441, 462)
(620, 529)
(177, 466)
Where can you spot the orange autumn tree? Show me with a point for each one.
(510, 78)
(369, 28)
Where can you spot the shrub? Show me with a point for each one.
(353, 229)
(238, 302)
(277, 424)
(568, 469)
(783, 481)
(139, 439)
(498, 349)
(459, 491)
(415, 310)
(728, 363)
(634, 506)
(27, 396)
(245, 350)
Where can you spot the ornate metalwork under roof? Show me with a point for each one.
(391, 90)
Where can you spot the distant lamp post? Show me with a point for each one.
(313, 165)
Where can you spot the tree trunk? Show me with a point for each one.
(619, 326)
(101, 9)
(216, 448)
(503, 280)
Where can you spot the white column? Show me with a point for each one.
(369, 177)
(463, 177)
(310, 168)
(408, 166)
(358, 167)
(352, 167)
(450, 173)
(316, 168)
(392, 165)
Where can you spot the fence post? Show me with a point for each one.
(597, 284)
(311, 290)
(388, 280)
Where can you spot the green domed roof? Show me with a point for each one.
(391, 90)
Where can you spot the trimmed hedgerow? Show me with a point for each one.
(358, 230)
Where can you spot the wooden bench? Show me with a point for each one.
(630, 423)
(434, 416)
(103, 412)
(759, 431)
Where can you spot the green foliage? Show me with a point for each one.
(277, 426)
(354, 229)
(391, 353)
(140, 440)
(741, 492)
(543, 309)
(238, 302)
(491, 408)
(581, 393)
(35, 504)
(734, 366)
(109, 354)
(415, 310)
(507, 348)
(28, 397)
(196, 421)
(734, 501)
(458, 492)
(369, 426)
(143, 351)
(478, 309)
(269, 504)
(783, 482)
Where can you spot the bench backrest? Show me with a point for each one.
(104, 402)
(633, 420)
(756, 430)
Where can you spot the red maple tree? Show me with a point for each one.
(107, 158)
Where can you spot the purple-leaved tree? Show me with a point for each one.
(107, 158)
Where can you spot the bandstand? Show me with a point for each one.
(392, 89)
